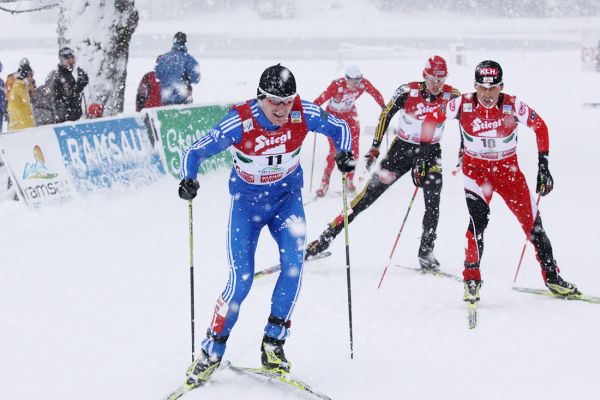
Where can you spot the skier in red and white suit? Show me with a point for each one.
(488, 122)
(342, 94)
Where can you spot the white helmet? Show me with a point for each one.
(353, 72)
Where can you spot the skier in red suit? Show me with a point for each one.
(488, 122)
(342, 94)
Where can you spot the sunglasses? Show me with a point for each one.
(488, 85)
(433, 79)
(276, 100)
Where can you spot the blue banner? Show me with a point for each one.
(108, 154)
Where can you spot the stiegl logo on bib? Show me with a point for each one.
(479, 125)
(262, 142)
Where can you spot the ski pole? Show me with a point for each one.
(312, 167)
(412, 200)
(191, 238)
(537, 203)
(347, 241)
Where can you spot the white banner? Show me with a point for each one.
(34, 159)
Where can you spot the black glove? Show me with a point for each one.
(545, 183)
(188, 188)
(461, 152)
(82, 78)
(421, 167)
(345, 161)
(371, 156)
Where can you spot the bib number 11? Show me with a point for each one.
(274, 160)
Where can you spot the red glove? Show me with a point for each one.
(371, 156)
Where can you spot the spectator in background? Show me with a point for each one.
(95, 110)
(43, 102)
(19, 107)
(67, 90)
(177, 71)
(598, 57)
(10, 79)
(3, 112)
(148, 93)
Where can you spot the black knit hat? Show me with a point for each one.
(24, 70)
(278, 81)
(180, 38)
(65, 53)
(488, 73)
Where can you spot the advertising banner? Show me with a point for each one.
(35, 162)
(107, 154)
(179, 128)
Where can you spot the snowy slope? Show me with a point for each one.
(95, 294)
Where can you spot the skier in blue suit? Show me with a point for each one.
(264, 136)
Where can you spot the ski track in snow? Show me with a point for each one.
(95, 294)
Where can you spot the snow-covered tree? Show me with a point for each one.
(99, 31)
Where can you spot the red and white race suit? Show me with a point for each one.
(489, 137)
(341, 104)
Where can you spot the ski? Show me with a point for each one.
(181, 390)
(543, 292)
(472, 314)
(432, 272)
(591, 105)
(278, 377)
(275, 268)
(311, 200)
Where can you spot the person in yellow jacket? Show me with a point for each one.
(20, 111)
(11, 78)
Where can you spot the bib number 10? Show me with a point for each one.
(489, 143)
(274, 160)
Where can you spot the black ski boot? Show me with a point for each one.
(272, 355)
(201, 370)
(322, 243)
(558, 285)
(427, 260)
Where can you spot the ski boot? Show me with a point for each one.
(558, 285)
(201, 370)
(273, 357)
(322, 191)
(472, 291)
(322, 243)
(427, 260)
(316, 247)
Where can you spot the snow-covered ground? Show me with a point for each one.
(95, 294)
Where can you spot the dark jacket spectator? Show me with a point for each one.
(148, 93)
(176, 72)
(43, 102)
(68, 90)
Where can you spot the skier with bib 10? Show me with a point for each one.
(488, 120)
